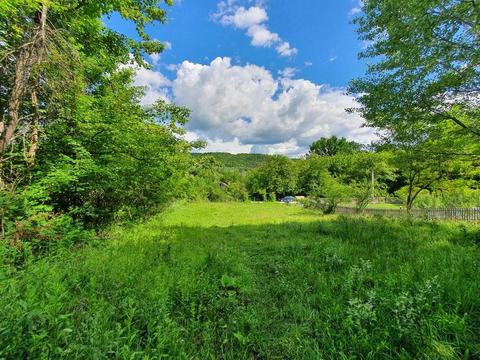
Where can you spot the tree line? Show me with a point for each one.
(338, 171)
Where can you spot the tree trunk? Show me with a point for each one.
(35, 131)
(22, 72)
(409, 197)
(28, 57)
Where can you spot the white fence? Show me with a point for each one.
(455, 214)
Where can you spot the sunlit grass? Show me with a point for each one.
(229, 214)
(380, 206)
(253, 280)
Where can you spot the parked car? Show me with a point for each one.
(288, 199)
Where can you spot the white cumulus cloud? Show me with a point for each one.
(247, 109)
(288, 72)
(246, 105)
(155, 84)
(252, 20)
(245, 18)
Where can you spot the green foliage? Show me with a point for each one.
(360, 176)
(116, 156)
(310, 171)
(362, 166)
(425, 68)
(82, 21)
(113, 161)
(236, 162)
(332, 146)
(459, 195)
(329, 193)
(210, 181)
(429, 163)
(275, 178)
(99, 156)
(30, 229)
(362, 193)
(245, 281)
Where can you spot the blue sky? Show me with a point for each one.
(259, 75)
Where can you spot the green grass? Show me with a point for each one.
(385, 206)
(251, 281)
(381, 206)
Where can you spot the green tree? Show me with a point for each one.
(364, 172)
(329, 192)
(276, 177)
(433, 161)
(53, 50)
(424, 65)
(211, 180)
(309, 172)
(75, 143)
(333, 146)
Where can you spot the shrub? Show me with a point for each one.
(329, 193)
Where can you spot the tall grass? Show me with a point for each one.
(251, 281)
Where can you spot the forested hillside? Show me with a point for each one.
(241, 162)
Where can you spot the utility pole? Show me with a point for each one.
(373, 184)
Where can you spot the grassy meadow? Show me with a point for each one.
(251, 281)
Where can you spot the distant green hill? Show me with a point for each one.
(241, 162)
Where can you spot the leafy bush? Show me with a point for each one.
(275, 178)
(91, 177)
(330, 193)
(210, 181)
(362, 194)
(454, 196)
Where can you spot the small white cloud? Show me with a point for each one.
(332, 59)
(289, 148)
(155, 57)
(288, 72)
(308, 63)
(233, 147)
(155, 84)
(252, 20)
(357, 9)
(284, 49)
(245, 18)
(261, 36)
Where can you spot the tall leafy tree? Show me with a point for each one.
(434, 161)
(49, 49)
(424, 58)
(276, 177)
(332, 146)
(74, 140)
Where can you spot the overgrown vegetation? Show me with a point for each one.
(77, 150)
(82, 162)
(415, 175)
(241, 281)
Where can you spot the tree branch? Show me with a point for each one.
(460, 123)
